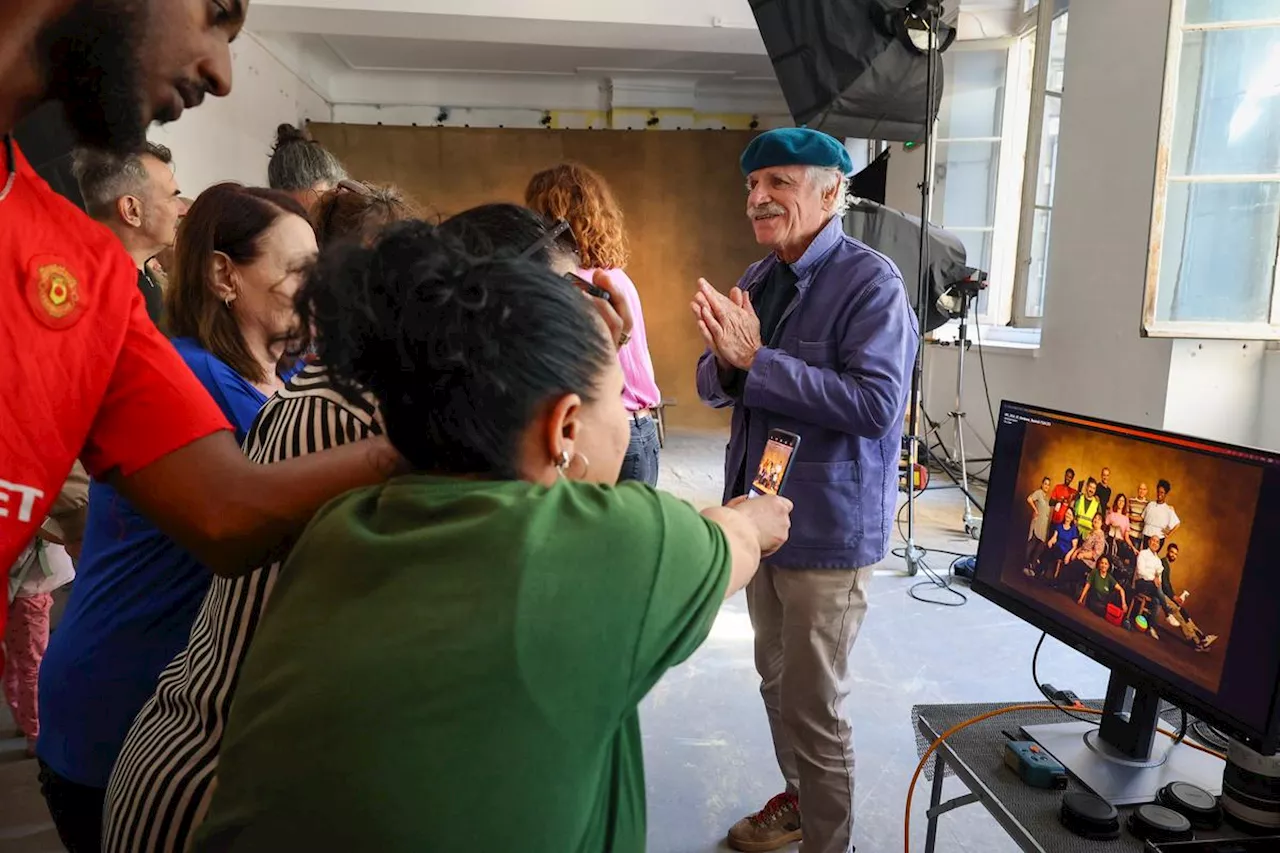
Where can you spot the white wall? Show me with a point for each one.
(1106, 167)
(1269, 406)
(1217, 389)
(229, 139)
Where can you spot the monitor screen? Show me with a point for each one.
(1157, 554)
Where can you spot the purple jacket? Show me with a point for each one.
(838, 373)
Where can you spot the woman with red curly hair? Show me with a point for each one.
(582, 198)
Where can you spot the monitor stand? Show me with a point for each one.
(1121, 759)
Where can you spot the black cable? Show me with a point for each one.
(1182, 728)
(934, 579)
(902, 552)
(937, 582)
(1035, 656)
(982, 362)
(956, 480)
(945, 464)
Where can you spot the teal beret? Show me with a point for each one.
(795, 146)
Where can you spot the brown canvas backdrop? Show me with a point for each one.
(1214, 499)
(681, 193)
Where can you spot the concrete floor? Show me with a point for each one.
(708, 753)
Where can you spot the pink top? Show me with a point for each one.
(639, 388)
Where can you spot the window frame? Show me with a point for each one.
(1212, 329)
(1040, 33)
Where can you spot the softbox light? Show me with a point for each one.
(847, 67)
(897, 235)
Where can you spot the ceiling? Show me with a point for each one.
(554, 52)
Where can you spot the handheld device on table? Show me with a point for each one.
(1033, 765)
(775, 463)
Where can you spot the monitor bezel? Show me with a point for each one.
(1264, 742)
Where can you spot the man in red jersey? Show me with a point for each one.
(83, 372)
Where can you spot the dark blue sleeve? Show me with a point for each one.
(235, 396)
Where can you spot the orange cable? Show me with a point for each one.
(915, 777)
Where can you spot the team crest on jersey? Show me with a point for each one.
(53, 293)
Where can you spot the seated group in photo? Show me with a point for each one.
(1105, 553)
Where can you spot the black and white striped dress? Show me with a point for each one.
(161, 785)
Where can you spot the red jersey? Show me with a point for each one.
(84, 373)
(1060, 498)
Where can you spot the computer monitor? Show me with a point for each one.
(1185, 607)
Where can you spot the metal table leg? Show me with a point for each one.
(935, 799)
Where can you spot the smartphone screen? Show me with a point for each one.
(772, 473)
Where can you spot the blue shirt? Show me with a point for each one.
(136, 594)
(1068, 536)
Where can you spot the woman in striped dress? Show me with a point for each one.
(163, 780)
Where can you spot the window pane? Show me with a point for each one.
(1216, 11)
(1039, 272)
(1228, 103)
(965, 184)
(1057, 53)
(1049, 150)
(973, 100)
(977, 248)
(1219, 252)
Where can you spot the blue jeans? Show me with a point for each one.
(641, 461)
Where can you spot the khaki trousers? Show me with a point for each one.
(805, 622)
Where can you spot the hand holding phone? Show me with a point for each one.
(771, 516)
(609, 304)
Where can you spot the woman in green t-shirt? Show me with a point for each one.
(452, 661)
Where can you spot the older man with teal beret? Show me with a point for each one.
(818, 339)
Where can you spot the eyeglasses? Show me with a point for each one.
(561, 226)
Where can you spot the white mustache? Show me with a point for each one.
(766, 210)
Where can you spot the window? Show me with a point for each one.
(997, 161)
(1215, 226)
(1034, 270)
(976, 162)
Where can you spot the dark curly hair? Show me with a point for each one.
(460, 350)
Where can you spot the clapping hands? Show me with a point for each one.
(728, 324)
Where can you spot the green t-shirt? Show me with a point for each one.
(1101, 587)
(456, 665)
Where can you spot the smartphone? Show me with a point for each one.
(771, 476)
(584, 285)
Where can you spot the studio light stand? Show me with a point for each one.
(963, 294)
(921, 18)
